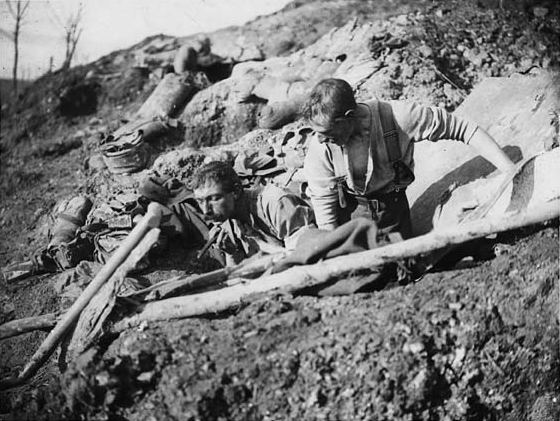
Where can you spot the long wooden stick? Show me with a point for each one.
(28, 324)
(91, 321)
(300, 277)
(249, 268)
(150, 220)
(48, 321)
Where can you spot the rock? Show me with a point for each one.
(90, 74)
(459, 357)
(545, 408)
(501, 249)
(407, 71)
(454, 96)
(515, 111)
(96, 162)
(540, 12)
(419, 381)
(526, 64)
(425, 51)
(7, 309)
(79, 134)
(475, 57)
(248, 51)
(357, 71)
(426, 76)
(413, 348)
(146, 377)
(401, 20)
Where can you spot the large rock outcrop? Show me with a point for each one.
(520, 112)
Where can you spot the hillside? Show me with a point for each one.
(477, 341)
(7, 89)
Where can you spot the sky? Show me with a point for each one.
(109, 25)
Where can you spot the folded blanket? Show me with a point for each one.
(356, 235)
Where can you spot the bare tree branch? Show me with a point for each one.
(11, 9)
(73, 31)
(25, 6)
(17, 10)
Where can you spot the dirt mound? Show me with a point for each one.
(476, 342)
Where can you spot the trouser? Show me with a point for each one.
(390, 211)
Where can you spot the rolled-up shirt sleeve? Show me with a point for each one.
(421, 122)
(291, 216)
(321, 179)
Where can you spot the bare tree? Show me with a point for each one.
(72, 28)
(17, 10)
(73, 31)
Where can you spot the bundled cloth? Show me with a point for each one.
(357, 235)
(166, 191)
(277, 114)
(354, 236)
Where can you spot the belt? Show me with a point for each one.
(383, 197)
(372, 200)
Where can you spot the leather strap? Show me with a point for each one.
(390, 135)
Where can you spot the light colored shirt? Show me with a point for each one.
(414, 123)
(278, 214)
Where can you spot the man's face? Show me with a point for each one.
(216, 204)
(338, 131)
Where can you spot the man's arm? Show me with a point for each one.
(322, 189)
(490, 150)
(433, 123)
(291, 217)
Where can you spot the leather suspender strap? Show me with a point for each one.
(403, 174)
(390, 135)
(337, 158)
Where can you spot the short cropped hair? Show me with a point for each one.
(329, 99)
(220, 173)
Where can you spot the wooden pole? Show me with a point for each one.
(28, 324)
(150, 220)
(300, 277)
(47, 321)
(91, 321)
(249, 268)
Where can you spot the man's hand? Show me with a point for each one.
(218, 236)
(224, 237)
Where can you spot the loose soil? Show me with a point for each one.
(477, 341)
